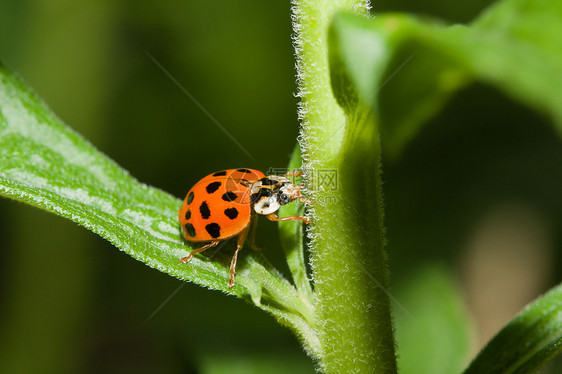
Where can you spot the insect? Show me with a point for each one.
(226, 203)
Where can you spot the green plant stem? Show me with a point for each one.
(353, 320)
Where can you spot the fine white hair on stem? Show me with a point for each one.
(307, 103)
(302, 112)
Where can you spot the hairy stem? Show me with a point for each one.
(341, 154)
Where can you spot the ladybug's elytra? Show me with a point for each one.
(223, 205)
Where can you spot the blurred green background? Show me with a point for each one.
(478, 192)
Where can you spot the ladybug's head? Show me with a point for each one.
(269, 193)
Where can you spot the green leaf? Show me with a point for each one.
(432, 324)
(47, 165)
(407, 68)
(527, 342)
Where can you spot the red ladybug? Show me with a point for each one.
(224, 204)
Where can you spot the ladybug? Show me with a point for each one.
(225, 204)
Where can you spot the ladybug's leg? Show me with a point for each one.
(254, 224)
(198, 250)
(273, 217)
(295, 173)
(239, 245)
(304, 200)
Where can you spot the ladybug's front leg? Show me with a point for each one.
(295, 173)
(304, 200)
(198, 250)
(273, 217)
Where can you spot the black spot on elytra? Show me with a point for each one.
(204, 210)
(231, 213)
(213, 229)
(219, 173)
(190, 229)
(244, 170)
(212, 187)
(229, 196)
(190, 197)
(188, 215)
